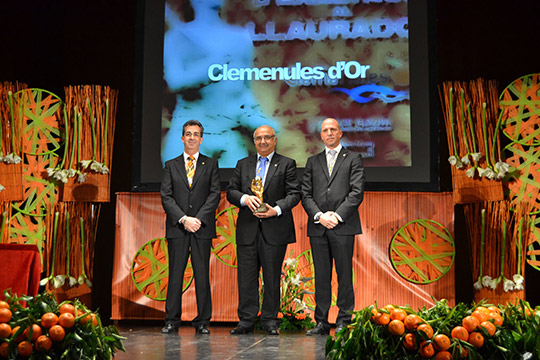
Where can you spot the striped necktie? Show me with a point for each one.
(331, 160)
(190, 169)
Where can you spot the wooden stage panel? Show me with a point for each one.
(140, 218)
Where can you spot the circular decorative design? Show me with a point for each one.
(39, 111)
(150, 270)
(533, 249)
(526, 185)
(520, 110)
(422, 251)
(224, 245)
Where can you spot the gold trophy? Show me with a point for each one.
(258, 189)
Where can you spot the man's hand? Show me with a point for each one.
(252, 202)
(192, 224)
(329, 220)
(269, 213)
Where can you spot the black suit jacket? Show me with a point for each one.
(281, 188)
(342, 192)
(200, 201)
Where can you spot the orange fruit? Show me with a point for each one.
(5, 331)
(441, 342)
(497, 318)
(409, 342)
(389, 307)
(476, 339)
(66, 320)
(382, 318)
(4, 350)
(49, 319)
(67, 308)
(463, 352)
(4, 305)
(396, 327)
(43, 343)
(443, 355)
(494, 309)
(412, 321)
(483, 309)
(36, 332)
(5, 315)
(459, 332)
(25, 348)
(489, 326)
(480, 315)
(19, 338)
(470, 323)
(427, 329)
(398, 314)
(84, 320)
(57, 333)
(94, 320)
(426, 349)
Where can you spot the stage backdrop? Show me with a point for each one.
(140, 268)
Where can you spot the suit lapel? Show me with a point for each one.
(322, 162)
(181, 168)
(340, 159)
(271, 170)
(199, 169)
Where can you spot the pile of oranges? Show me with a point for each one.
(41, 335)
(483, 320)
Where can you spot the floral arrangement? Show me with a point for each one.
(499, 236)
(477, 331)
(44, 329)
(293, 308)
(472, 128)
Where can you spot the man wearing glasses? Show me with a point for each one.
(262, 237)
(190, 193)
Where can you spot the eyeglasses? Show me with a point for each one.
(265, 137)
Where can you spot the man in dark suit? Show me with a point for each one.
(332, 190)
(262, 237)
(190, 194)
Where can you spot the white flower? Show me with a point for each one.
(12, 159)
(465, 160)
(300, 305)
(50, 172)
(2, 187)
(72, 281)
(71, 173)
(470, 172)
(95, 166)
(476, 156)
(502, 167)
(81, 178)
(486, 280)
(453, 160)
(493, 283)
(490, 174)
(459, 165)
(478, 284)
(508, 285)
(296, 280)
(104, 169)
(85, 163)
(291, 262)
(518, 281)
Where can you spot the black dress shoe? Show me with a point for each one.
(169, 329)
(272, 330)
(241, 329)
(340, 327)
(320, 329)
(202, 329)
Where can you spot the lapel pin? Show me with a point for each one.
(344, 155)
(275, 165)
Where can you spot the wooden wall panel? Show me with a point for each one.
(140, 218)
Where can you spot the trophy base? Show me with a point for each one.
(261, 209)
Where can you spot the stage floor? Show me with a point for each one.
(146, 342)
